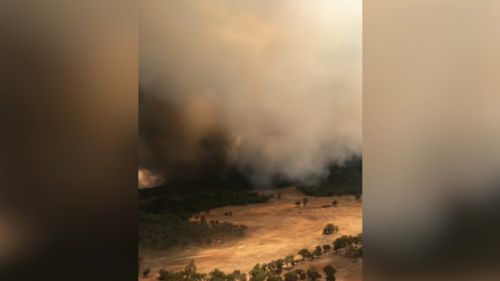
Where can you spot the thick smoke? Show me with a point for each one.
(266, 87)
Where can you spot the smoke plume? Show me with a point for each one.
(265, 88)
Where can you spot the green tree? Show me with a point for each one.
(279, 265)
(190, 273)
(330, 228)
(301, 273)
(306, 255)
(326, 248)
(291, 276)
(313, 274)
(289, 261)
(317, 251)
(346, 241)
(258, 273)
(274, 277)
(330, 272)
(170, 276)
(217, 275)
(190, 268)
(237, 276)
(273, 267)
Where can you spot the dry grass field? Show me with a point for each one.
(275, 229)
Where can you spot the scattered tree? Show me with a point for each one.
(301, 273)
(190, 268)
(335, 203)
(258, 273)
(276, 266)
(146, 272)
(291, 276)
(317, 251)
(297, 203)
(217, 275)
(330, 229)
(326, 248)
(237, 276)
(346, 241)
(357, 196)
(169, 276)
(313, 274)
(279, 265)
(306, 255)
(289, 261)
(190, 273)
(274, 278)
(329, 272)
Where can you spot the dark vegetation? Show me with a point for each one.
(330, 229)
(341, 180)
(313, 274)
(189, 200)
(260, 272)
(277, 270)
(165, 211)
(330, 272)
(168, 230)
(350, 246)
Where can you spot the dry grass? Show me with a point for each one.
(275, 229)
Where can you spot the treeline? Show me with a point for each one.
(351, 246)
(168, 230)
(278, 270)
(341, 180)
(165, 211)
(260, 272)
(185, 204)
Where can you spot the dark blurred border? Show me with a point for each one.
(431, 140)
(69, 140)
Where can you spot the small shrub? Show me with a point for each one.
(330, 229)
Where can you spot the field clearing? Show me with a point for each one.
(275, 229)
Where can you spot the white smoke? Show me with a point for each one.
(283, 78)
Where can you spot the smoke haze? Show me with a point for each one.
(266, 87)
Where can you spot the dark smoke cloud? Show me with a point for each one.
(255, 87)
